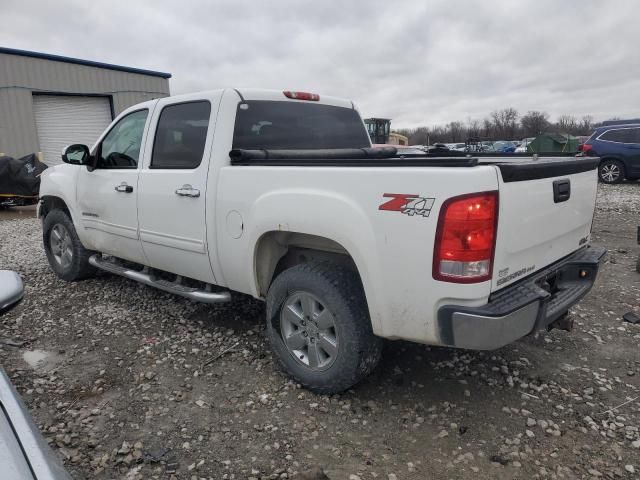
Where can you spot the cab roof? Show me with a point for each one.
(271, 95)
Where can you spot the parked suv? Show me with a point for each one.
(618, 147)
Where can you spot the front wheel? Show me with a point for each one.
(67, 256)
(611, 171)
(319, 328)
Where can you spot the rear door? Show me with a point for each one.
(542, 220)
(172, 187)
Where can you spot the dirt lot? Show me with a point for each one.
(128, 382)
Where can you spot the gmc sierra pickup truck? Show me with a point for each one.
(279, 195)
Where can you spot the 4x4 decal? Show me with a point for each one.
(408, 204)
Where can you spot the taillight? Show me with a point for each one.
(466, 238)
(585, 148)
(314, 97)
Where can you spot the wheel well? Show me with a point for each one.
(276, 251)
(50, 203)
(617, 160)
(614, 159)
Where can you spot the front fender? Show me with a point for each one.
(60, 181)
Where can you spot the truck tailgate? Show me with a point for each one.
(545, 213)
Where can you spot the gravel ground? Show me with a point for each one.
(128, 382)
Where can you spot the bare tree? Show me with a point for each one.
(586, 125)
(487, 128)
(496, 120)
(420, 136)
(474, 128)
(534, 123)
(505, 122)
(500, 125)
(510, 116)
(416, 136)
(567, 124)
(439, 134)
(456, 131)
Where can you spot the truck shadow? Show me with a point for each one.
(410, 372)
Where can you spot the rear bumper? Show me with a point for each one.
(523, 308)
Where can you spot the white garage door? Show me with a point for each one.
(63, 120)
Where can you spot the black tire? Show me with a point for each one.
(77, 267)
(611, 171)
(339, 290)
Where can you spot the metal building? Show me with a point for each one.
(49, 101)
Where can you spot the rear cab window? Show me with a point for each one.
(181, 135)
(280, 125)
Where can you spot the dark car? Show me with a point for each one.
(618, 147)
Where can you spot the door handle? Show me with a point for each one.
(124, 188)
(188, 191)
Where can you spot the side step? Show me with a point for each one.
(191, 293)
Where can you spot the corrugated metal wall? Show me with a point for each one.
(21, 77)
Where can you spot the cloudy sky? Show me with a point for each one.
(418, 62)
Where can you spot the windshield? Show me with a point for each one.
(262, 124)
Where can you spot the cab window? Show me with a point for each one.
(181, 135)
(120, 149)
(264, 124)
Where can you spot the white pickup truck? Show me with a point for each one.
(279, 195)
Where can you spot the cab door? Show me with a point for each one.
(172, 187)
(107, 193)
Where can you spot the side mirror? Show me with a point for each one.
(76, 154)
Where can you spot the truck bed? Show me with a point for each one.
(513, 166)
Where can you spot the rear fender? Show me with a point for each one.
(312, 212)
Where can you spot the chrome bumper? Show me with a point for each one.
(522, 308)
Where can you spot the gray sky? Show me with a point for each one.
(419, 63)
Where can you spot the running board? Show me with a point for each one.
(191, 293)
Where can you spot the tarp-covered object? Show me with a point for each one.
(553, 143)
(20, 177)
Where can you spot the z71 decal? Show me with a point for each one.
(408, 204)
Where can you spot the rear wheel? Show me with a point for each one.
(611, 171)
(67, 256)
(319, 327)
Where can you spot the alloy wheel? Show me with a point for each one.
(610, 172)
(308, 331)
(61, 245)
